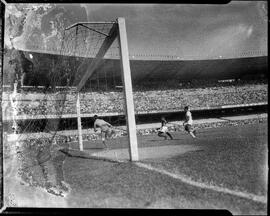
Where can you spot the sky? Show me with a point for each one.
(197, 31)
(183, 31)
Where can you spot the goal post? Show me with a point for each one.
(129, 103)
(117, 32)
(79, 122)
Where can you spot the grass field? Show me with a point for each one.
(229, 157)
(236, 160)
(233, 157)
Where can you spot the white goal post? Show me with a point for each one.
(118, 31)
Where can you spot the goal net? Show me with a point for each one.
(91, 57)
(83, 80)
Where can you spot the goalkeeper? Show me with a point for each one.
(105, 127)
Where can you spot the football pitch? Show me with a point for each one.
(229, 171)
(224, 168)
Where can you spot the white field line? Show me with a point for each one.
(186, 180)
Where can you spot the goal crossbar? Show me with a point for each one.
(73, 25)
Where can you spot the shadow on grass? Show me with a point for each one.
(161, 140)
(84, 155)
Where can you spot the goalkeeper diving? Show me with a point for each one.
(106, 129)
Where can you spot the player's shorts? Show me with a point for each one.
(107, 133)
(188, 128)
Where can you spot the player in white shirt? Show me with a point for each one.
(105, 127)
(188, 122)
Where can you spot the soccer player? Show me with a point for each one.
(163, 131)
(105, 127)
(188, 122)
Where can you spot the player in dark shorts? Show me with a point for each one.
(163, 130)
(106, 129)
(188, 122)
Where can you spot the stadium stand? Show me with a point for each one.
(149, 98)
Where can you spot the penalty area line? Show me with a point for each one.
(186, 180)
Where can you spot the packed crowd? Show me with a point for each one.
(145, 101)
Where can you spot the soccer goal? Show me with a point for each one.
(91, 44)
